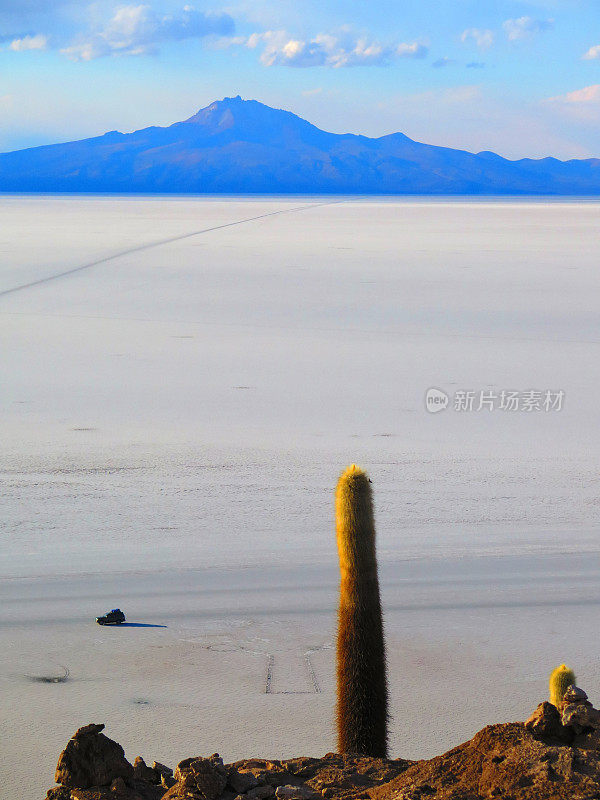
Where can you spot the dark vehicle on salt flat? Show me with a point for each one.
(114, 617)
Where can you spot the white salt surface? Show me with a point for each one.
(173, 423)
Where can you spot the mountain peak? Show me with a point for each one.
(219, 108)
(250, 120)
(225, 103)
(234, 111)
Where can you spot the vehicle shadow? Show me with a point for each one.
(140, 625)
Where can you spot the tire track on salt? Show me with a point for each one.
(150, 245)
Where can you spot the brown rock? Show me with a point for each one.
(91, 759)
(574, 694)
(59, 793)
(581, 717)
(345, 774)
(148, 791)
(241, 782)
(260, 792)
(197, 778)
(545, 723)
(588, 741)
(117, 791)
(295, 793)
(255, 763)
(142, 772)
(217, 763)
(161, 768)
(93, 727)
(503, 761)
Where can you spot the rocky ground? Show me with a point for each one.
(555, 755)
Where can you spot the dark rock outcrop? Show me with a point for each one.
(504, 761)
(545, 723)
(142, 772)
(577, 713)
(334, 776)
(92, 759)
(538, 760)
(198, 778)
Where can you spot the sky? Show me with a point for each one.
(521, 78)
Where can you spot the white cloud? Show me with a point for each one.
(254, 39)
(589, 94)
(311, 92)
(138, 30)
(581, 106)
(327, 50)
(483, 37)
(592, 53)
(526, 27)
(37, 42)
(412, 50)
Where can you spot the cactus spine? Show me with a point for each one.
(361, 667)
(560, 679)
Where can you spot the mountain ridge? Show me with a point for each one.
(244, 146)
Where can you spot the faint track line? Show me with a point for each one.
(228, 646)
(311, 672)
(312, 676)
(269, 680)
(150, 245)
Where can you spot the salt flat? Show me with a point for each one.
(469, 641)
(175, 418)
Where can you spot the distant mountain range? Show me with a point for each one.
(243, 146)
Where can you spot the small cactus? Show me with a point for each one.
(560, 679)
(361, 667)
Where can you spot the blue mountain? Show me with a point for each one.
(243, 146)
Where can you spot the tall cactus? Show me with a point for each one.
(560, 679)
(361, 666)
